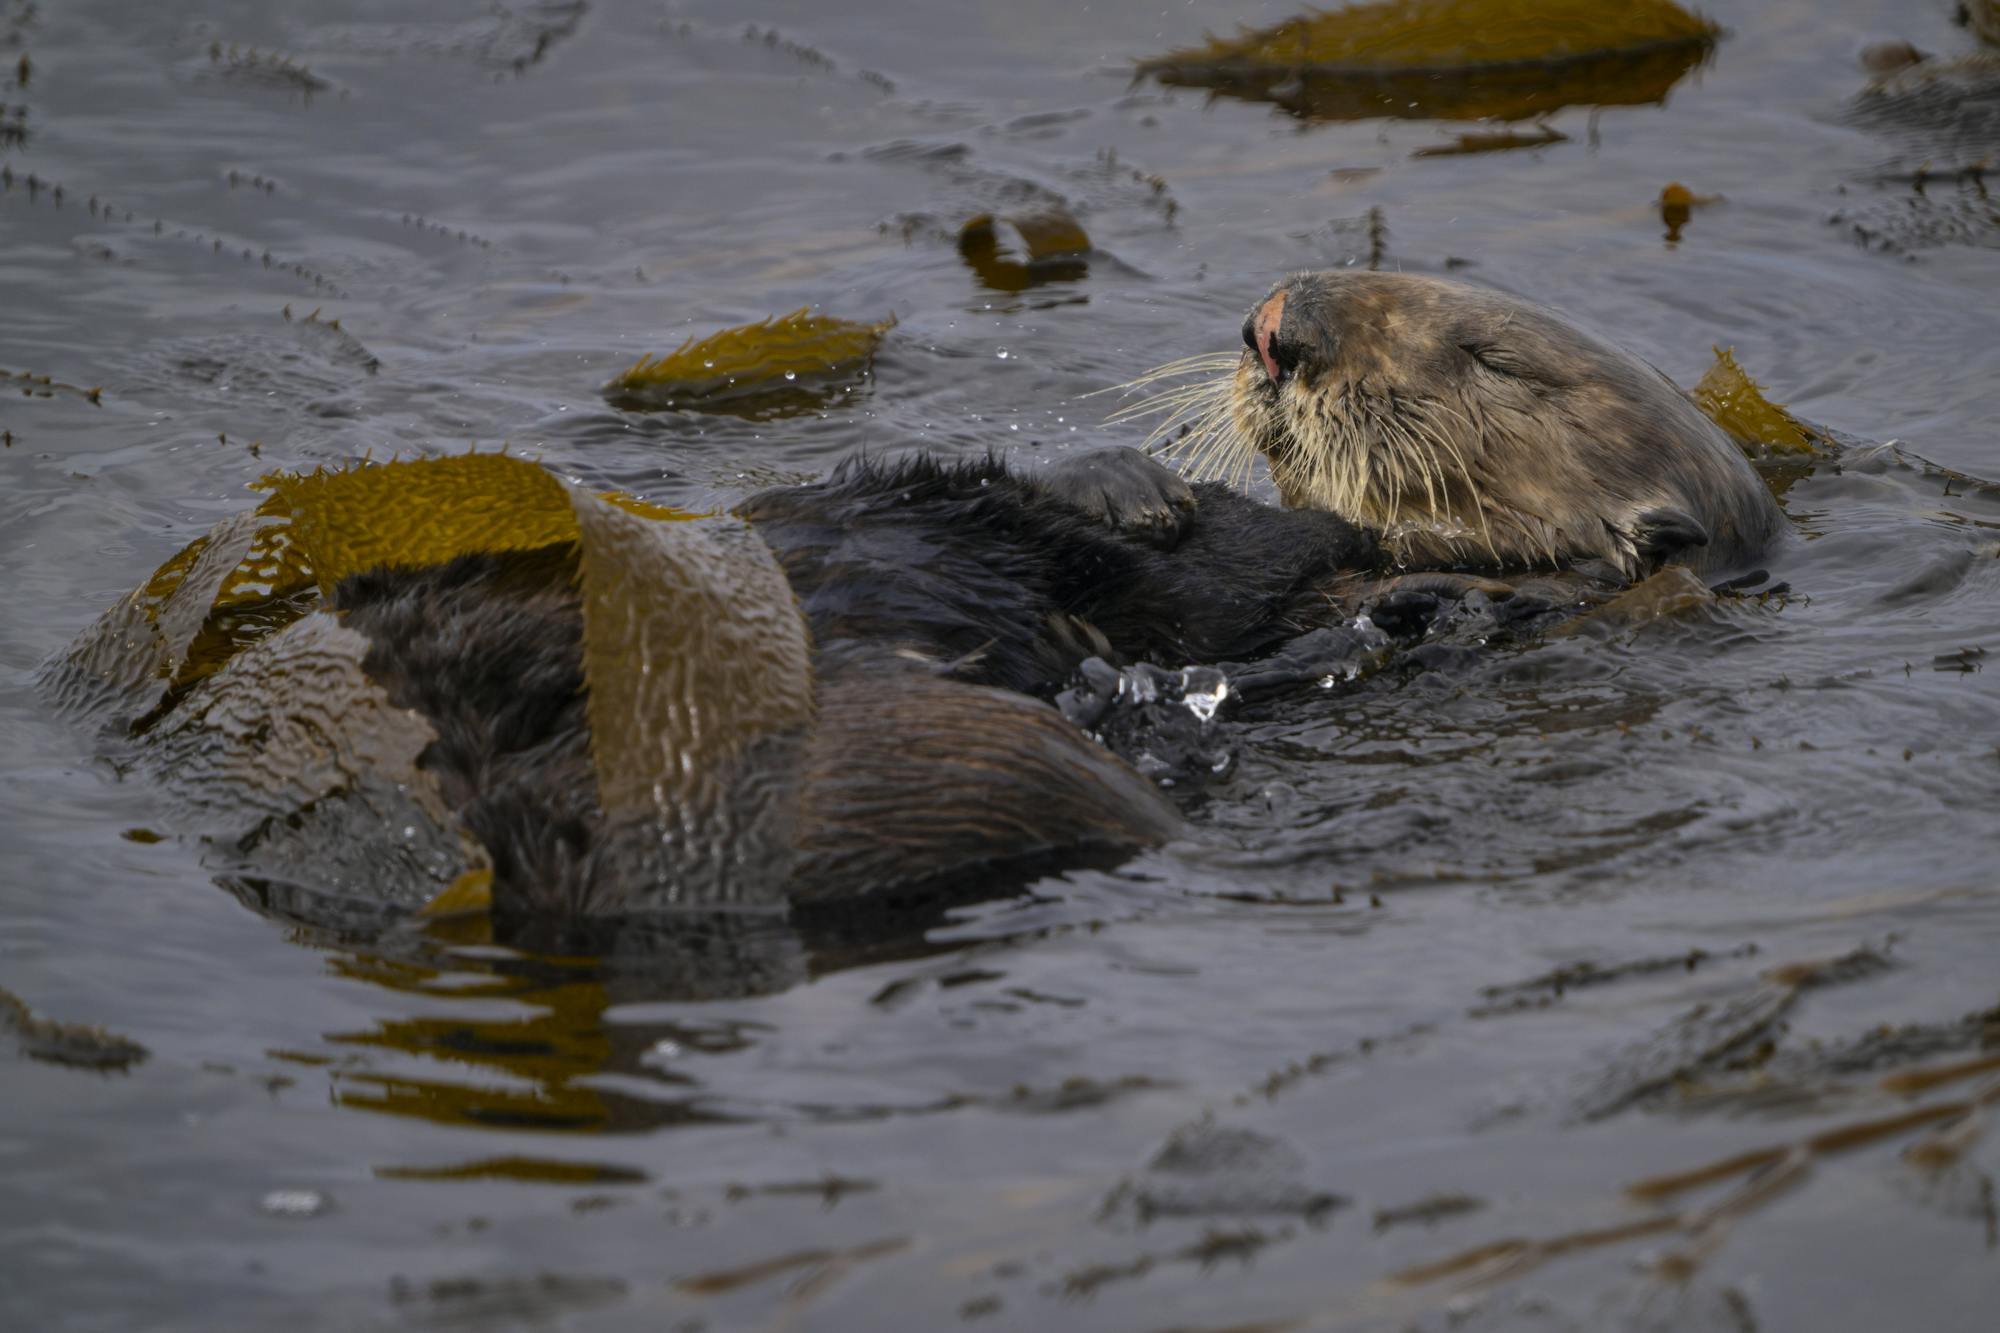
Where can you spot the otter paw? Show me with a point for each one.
(1125, 489)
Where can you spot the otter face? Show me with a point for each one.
(1468, 426)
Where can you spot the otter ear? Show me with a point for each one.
(1662, 534)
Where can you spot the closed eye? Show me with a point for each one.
(1486, 354)
(1501, 361)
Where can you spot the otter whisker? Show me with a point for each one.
(1174, 401)
(1207, 362)
(1211, 457)
(1200, 419)
(1165, 402)
(1444, 441)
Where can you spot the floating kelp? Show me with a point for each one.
(32, 385)
(1736, 403)
(786, 363)
(1452, 59)
(248, 703)
(1677, 204)
(71, 1044)
(1016, 251)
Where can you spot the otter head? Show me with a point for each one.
(1471, 428)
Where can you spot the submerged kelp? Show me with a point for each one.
(252, 708)
(1452, 59)
(785, 363)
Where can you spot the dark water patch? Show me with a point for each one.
(542, 1171)
(503, 1300)
(1427, 1212)
(1551, 987)
(829, 1190)
(823, 1267)
(1216, 1170)
(1741, 1030)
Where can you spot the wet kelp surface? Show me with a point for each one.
(1634, 976)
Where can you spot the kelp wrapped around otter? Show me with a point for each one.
(461, 684)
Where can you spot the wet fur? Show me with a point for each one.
(1478, 430)
(938, 597)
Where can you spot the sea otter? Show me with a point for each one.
(1474, 430)
(828, 696)
(837, 693)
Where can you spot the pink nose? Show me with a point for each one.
(1264, 328)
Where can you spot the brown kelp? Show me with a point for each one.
(789, 362)
(1452, 59)
(226, 681)
(1737, 403)
(1015, 251)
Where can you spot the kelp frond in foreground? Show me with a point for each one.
(786, 354)
(256, 572)
(1452, 59)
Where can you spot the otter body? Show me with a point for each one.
(937, 598)
(1478, 430)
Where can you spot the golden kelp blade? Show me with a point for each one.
(1452, 59)
(1736, 403)
(276, 742)
(255, 573)
(775, 355)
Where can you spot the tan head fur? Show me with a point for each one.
(1470, 427)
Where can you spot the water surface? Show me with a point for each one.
(503, 207)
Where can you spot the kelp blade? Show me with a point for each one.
(280, 747)
(1737, 403)
(793, 358)
(1452, 59)
(1016, 251)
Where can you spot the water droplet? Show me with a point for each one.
(295, 1203)
(662, 1053)
(791, 374)
(1002, 354)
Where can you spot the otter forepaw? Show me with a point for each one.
(1125, 489)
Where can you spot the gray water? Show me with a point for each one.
(504, 208)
